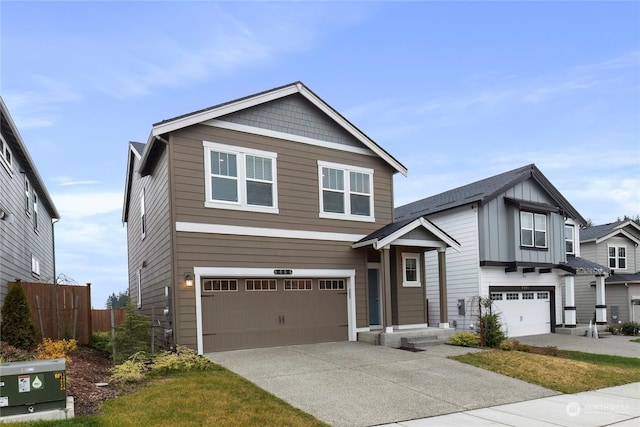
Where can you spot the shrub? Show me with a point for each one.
(465, 339)
(507, 346)
(17, 328)
(630, 328)
(9, 353)
(130, 371)
(132, 336)
(102, 341)
(183, 359)
(50, 349)
(491, 329)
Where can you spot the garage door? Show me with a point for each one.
(240, 313)
(524, 312)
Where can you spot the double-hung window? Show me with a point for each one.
(346, 192)
(143, 216)
(240, 178)
(617, 257)
(533, 230)
(569, 239)
(35, 211)
(5, 154)
(27, 195)
(410, 270)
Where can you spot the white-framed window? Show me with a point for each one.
(527, 295)
(27, 195)
(219, 285)
(496, 296)
(139, 288)
(346, 192)
(569, 239)
(533, 230)
(35, 265)
(35, 211)
(617, 257)
(261, 285)
(513, 296)
(5, 154)
(331, 284)
(298, 284)
(543, 295)
(240, 178)
(143, 216)
(411, 270)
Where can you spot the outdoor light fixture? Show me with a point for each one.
(188, 280)
(5, 216)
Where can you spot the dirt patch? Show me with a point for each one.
(89, 367)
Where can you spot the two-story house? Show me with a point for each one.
(518, 245)
(615, 245)
(27, 212)
(268, 220)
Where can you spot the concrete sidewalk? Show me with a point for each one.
(613, 406)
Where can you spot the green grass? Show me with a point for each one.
(571, 372)
(635, 340)
(215, 397)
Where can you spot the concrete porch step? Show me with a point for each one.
(422, 342)
(395, 338)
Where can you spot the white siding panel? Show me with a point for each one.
(462, 267)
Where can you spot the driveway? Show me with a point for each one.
(357, 384)
(616, 345)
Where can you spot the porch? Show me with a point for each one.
(412, 338)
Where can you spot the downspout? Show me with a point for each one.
(55, 278)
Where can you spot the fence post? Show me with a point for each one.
(40, 317)
(76, 304)
(113, 337)
(89, 317)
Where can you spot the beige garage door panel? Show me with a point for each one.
(251, 319)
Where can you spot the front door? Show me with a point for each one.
(373, 280)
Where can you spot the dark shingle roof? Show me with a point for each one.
(623, 278)
(138, 146)
(483, 191)
(578, 264)
(385, 231)
(597, 231)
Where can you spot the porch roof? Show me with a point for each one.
(393, 233)
(622, 278)
(578, 265)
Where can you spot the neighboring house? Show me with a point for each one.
(518, 237)
(27, 212)
(614, 245)
(268, 220)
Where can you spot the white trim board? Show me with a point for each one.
(349, 275)
(196, 227)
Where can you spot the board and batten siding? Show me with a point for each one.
(152, 255)
(462, 267)
(18, 239)
(499, 228)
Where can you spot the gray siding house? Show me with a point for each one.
(518, 245)
(27, 212)
(616, 246)
(268, 220)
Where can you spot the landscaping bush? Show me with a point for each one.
(465, 339)
(491, 330)
(630, 328)
(132, 336)
(9, 353)
(131, 370)
(50, 349)
(102, 341)
(16, 327)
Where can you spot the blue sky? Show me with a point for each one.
(456, 91)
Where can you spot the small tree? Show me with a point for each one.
(490, 328)
(16, 328)
(118, 301)
(132, 336)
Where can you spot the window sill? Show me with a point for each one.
(411, 284)
(345, 217)
(533, 248)
(247, 208)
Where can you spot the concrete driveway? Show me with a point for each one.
(357, 384)
(615, 345)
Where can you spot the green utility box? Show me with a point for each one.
(34, 386)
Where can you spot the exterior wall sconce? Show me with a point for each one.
(188, 280)
(6, 216)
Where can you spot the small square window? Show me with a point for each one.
(331, 284)
(298, 284)
(513, 296)
(496, 296)
(543, 295)
(261, 285)
(527, 295)
(219, 285)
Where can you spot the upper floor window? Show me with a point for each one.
(5, 154)
(240, 178)
(27, 195)
(139, 288)
(345, 192)
(411, 270)
(35, 265)
(35, 211)
(533, 230)
(569, 239)
(617, 257)
(143, 216)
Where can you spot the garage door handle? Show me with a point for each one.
(342, 293)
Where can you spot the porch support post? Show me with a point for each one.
(601, 306)
(442, 278)
(386, 290)
(570, 302)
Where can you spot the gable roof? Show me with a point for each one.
(19, 150)
(395, 230)
(229, 107)
(483, 191)
(599, 233)
(135, 153)
(576, 265)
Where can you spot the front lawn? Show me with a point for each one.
(570, 372)
(201, 398)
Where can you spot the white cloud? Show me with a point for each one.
(65, 181)
(83, 205)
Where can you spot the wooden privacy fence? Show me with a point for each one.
(59, 311)
(101, 319)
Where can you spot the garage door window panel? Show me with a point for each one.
(496, 296)
(298, 284)
(543, 295)
(331, 284)
(512, 296)
(261, 285)
(219, 285)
